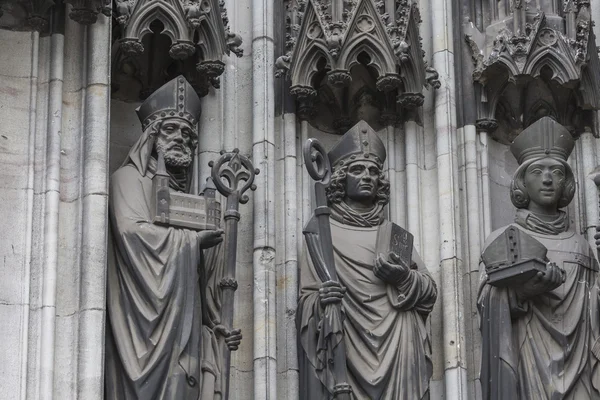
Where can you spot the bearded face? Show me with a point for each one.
(176, 140)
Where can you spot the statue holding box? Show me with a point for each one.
(538, 296)
(165, 333)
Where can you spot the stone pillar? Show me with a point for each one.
(58, 225)
(451, 291)
(413, 202)
(51, 213)
(287, 382)
(587, 160)
(265, 358)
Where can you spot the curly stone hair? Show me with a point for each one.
(336, 191)
(518, 191)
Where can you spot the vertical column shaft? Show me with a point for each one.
(451, 297)
(485, 184)
(413, 204)
(51, 217)
(94, 212)
(265, 359)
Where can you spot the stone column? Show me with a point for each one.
(51, 212)
(451, 288)
(94, 212)
(288, 275)
(265, 359)
(413, 202)
(587, 160)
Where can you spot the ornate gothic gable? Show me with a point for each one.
(193, 34)
(562, 62)
(327, 40)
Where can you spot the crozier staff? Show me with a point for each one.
(163, 304)
(385, 301)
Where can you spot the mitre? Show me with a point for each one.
(359, 143)
(175, 99)
(543, 138)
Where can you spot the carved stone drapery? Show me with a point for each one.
(357, 59)
(35, 14)
(155, 40)
(533, 64)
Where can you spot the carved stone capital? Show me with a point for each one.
(339, 78)
(305, 101)
(212, 69)
(411, 100)
(388, 83)
(131, 47)
(182, 50)
(488, 125)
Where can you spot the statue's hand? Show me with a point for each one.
(210, 238)
(543, 282)
(331, 292)
(597, 236)
(392, 273)
(233, 338)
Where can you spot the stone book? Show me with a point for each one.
(513, 258)
(393, 238)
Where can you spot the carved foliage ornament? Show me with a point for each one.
(37, 12)
(524, 52)
(536, 67)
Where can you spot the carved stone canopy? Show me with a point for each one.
(35, 14)
(157, 40)
(532, 64)
(355, 60)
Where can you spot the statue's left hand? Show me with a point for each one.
(392, 273)
(233, 338)
(210, 238)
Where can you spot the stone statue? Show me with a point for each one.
(538, 296)
(385, 292)
(163, 303)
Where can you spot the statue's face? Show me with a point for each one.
(545, 182)
(175, 140)
(362, 181)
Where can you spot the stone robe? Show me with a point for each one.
(387, 345)
(542, 348)
(161, 299)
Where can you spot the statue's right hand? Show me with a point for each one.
(331, 292)
(597, 236)
(210, 238)
(543, 282)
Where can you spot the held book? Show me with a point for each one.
(393, 238)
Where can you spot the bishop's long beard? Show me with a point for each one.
(173, 158)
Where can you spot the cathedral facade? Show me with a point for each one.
(446, 84)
